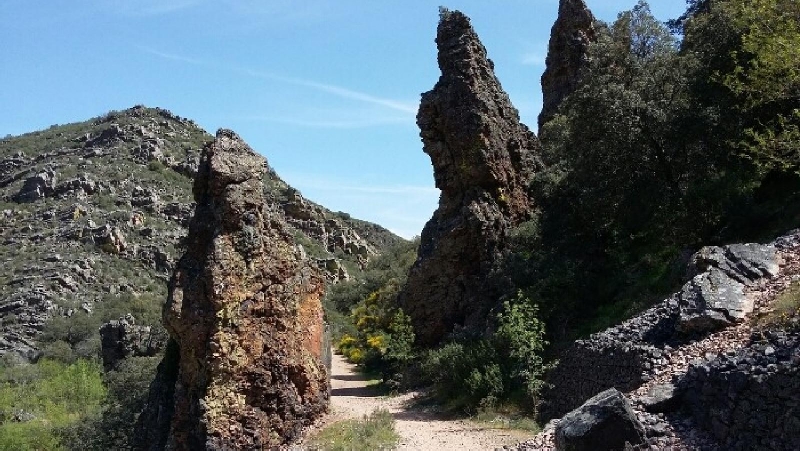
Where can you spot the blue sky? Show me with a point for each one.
(326, 90)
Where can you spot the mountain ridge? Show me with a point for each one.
(97, 210)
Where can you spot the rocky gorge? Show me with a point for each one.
(104, 220)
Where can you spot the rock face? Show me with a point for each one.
(243, 370)
(604, 422)
(483, 160)
(570, 37)
(122, 338)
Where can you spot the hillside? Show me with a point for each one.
(92, 216)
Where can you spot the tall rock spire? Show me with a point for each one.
(572, 32)
(243, 368)
(483, 160)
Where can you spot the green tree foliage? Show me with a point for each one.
(38, 401)
(765, 78)
(111, 427)
(505, 366)
(664, 146)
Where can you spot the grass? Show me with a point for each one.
(785, 307)
(372, 433)
(506, 417)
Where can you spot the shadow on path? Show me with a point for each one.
(361, 392)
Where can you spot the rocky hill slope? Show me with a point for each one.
(714, 366)
(97, 211)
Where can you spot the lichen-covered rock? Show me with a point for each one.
(243, 370)
(567, 54)
(483, 160)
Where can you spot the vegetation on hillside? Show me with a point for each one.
(666, 145)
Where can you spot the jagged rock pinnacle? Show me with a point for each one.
(483, 160)
(572, 32)
(243, 370)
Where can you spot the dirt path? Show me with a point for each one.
(419, 429)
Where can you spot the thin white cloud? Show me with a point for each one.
(172, 56)
(336, 90)
(336, 124)
(339, 91)
(149, 7)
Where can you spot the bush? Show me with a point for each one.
(504, 367)
(49, 396)
(112, 428)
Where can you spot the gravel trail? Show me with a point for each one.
(420, 429)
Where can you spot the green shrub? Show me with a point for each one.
(52, 395)
(60, 351)
(112, 428)
(505, 366)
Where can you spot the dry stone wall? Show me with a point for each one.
(628, 355)
(750, 399)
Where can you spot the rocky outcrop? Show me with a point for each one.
(604, 422)
(244, 314)
(122, 338)
(37, 187)
(728, 388)
(628, 355)
(567, 54)
(483, 160)
(715, 298)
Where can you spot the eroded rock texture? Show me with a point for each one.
(243, 370)
(570, 37)
(483, 160)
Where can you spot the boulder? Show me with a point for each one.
(122, 338)
(660, 398)
(37, 187)
(604, 422)
(715, 298)
(483, 159)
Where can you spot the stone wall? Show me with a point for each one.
(622, 357)
(628, 355)
(750, 399)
